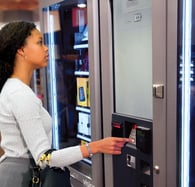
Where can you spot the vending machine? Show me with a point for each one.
(72, 80)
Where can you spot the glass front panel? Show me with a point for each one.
(132, 27)
(186, 93)
(67, 75)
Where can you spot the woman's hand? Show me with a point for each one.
(110, 145)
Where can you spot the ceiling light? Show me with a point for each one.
(81, 5)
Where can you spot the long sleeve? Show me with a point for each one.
(66, 156)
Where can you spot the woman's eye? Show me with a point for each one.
(40, 42)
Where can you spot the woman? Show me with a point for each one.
(25, 125)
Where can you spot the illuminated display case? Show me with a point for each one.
(66, 30)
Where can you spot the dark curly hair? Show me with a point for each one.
(12, 37)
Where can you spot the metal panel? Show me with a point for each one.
(107, 83)
(164, 72)
(171, 161)
(95, 91)
(159, 77)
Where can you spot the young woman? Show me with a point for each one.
(25, 125)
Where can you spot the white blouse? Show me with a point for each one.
(26, 126)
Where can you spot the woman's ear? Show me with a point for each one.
(20, 52)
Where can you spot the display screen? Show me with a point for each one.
(132, 38)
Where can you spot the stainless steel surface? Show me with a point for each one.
(107, 81)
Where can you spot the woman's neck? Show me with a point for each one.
(24, 78)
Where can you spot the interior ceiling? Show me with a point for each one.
(18, 5)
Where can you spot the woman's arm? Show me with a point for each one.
(110, 145)
(70, 155)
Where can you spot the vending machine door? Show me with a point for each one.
(132, 38)
(68, 30)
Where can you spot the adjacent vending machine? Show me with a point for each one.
(72, 80)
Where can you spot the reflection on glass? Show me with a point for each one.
(132, 25)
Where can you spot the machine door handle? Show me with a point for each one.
(158, 91)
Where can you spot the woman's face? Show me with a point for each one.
(35, 52)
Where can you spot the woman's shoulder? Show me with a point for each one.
(13, 86)
(15, 89)
(16, 92)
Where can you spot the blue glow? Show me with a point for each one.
(53, 91)
(186, 64)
